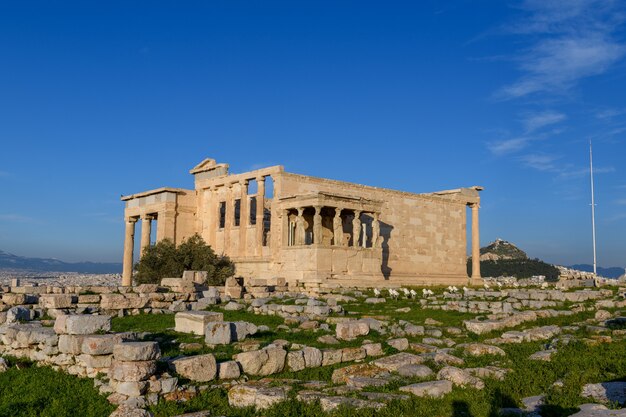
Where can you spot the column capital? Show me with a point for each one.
(244, 182)
(146, 217)
(132, 219)
(300, 211)
(260, 179)
(338, 211)
(318, 209)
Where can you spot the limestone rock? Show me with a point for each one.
(399, 343)
(434, 389)
(460, 377)
(267, 361)
(312, 357)
(350, 330)
(412, 371)
(228, 370)
(132, 371)
(295, 360)
(201, 368)
(256, 395)
(342, 375)
(596, 410)
(394, 362)
(99, 344)
(195, 321)
(85, 324)
(480, 349)
(136, 351)
(128, 411)
(606, 392)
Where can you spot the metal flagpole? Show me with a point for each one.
(593, 210)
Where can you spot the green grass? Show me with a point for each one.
(44, 392)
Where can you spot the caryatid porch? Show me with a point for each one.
(326, 235)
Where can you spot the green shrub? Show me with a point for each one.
(165, 259)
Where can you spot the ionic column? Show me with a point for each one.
(356, 228)
(475, 243)
(375, 231)
(243, 217)
(229, 219)
(213, 220)
(129, 244)
(146, 229)
(317, 226)
(300, 229)
(285, 227)
(337, 227)
(260, 214)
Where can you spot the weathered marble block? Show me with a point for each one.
(195, 321)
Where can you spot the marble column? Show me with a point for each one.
(213, 218)
(129, 244)
(356, 228)
(317, 226)
(243, 217)
(337, 228)
(146, 229)
(375, 231)
(230, 218)
(260, 214)
(475, 243)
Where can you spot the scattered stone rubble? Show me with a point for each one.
(125, 366)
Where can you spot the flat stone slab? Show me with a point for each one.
(195, 321)
(596, 410)
(256, 395)
(394, 362)
(606, 392)
(434, 389)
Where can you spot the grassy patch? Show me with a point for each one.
(41, 391)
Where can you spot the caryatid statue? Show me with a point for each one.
(356, 228)
(300, 227)
(376, 240)
(317, 226)
(338, 228)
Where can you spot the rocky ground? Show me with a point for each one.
(539, 352)
(448, 352)
(61, 279)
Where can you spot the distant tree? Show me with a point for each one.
(165, 260)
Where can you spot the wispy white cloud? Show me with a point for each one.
(609, 113)
(536, 121)
(571, 173)
(570, 40)
(508, 146)
(541, 162)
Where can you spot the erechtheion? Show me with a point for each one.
(274, 223)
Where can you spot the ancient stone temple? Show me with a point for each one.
(274, 223)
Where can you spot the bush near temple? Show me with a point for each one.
(166, 260)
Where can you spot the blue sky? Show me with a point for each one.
(99, 100)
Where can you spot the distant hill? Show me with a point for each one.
(613, 272)
(10, 261)
(501, 249)
(502, 258)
